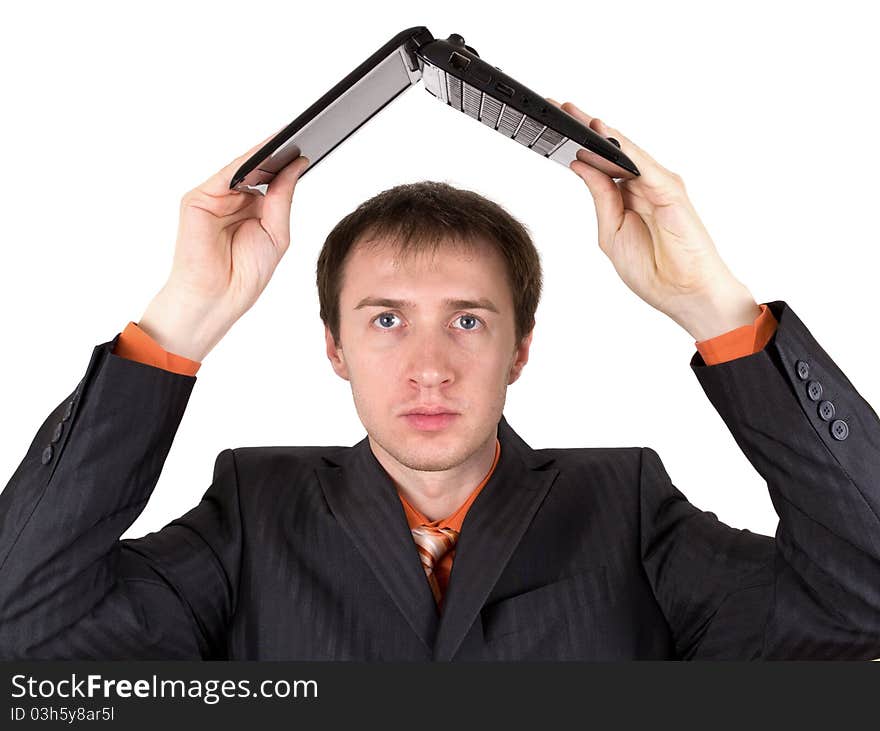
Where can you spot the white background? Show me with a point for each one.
(767, 110)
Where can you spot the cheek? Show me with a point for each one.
(372, 376)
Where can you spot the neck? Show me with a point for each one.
(438, 494)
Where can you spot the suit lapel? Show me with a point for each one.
(364, 500)
(492, 528)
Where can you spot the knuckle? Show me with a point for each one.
(195, 197)
(676, 184)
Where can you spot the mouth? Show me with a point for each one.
(430, 422)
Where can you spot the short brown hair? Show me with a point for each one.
(424, 215)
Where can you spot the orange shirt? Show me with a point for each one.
(454, 521)
(135, 344)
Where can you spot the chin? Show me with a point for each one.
(426, 451)
(431, 462)
(436, 451)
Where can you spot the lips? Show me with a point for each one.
(429, 411)
(430, 422)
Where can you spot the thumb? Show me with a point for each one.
(218, 183)
(275, 217)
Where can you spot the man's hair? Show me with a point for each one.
(416, 217)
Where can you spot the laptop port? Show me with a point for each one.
(504, 89)
(458, 61)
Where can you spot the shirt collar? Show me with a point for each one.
(415, 518)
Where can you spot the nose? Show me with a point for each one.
(429, 362)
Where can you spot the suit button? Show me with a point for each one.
(57, 434)
(826, 410)
(47, 455)
(814, 390)
(803, 370)
(839, 429)
(67, 412)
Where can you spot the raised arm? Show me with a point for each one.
(69, 587)
(813, 591)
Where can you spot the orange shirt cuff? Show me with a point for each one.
(135, 344)
(741, 341)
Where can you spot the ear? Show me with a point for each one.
(521, 357)
(335, 354)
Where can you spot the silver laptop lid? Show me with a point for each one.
(338, 114)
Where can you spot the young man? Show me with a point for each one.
(442, 535)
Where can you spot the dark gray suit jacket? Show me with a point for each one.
(304, 553)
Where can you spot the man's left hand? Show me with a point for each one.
(651, 233)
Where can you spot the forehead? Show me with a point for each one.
(377, 266)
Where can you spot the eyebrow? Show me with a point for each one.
(456, 304)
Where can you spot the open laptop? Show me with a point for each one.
(455, 74)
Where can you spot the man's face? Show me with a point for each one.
(425, 351)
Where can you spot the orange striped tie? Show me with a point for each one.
(433, 543)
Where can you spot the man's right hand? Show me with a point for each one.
(228, 245)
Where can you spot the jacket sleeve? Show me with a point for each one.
(813, 591)
(69, 587)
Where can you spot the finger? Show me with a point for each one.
(578, 114)
(653, 174)
(607, 197)
(218, 183)
(632, 201)
(277, 201)
(607, 200)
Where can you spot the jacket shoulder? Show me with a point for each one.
(574, 457)
(282, 467)
(595, 468)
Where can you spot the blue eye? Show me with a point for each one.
(469, 317)
(387, 315)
